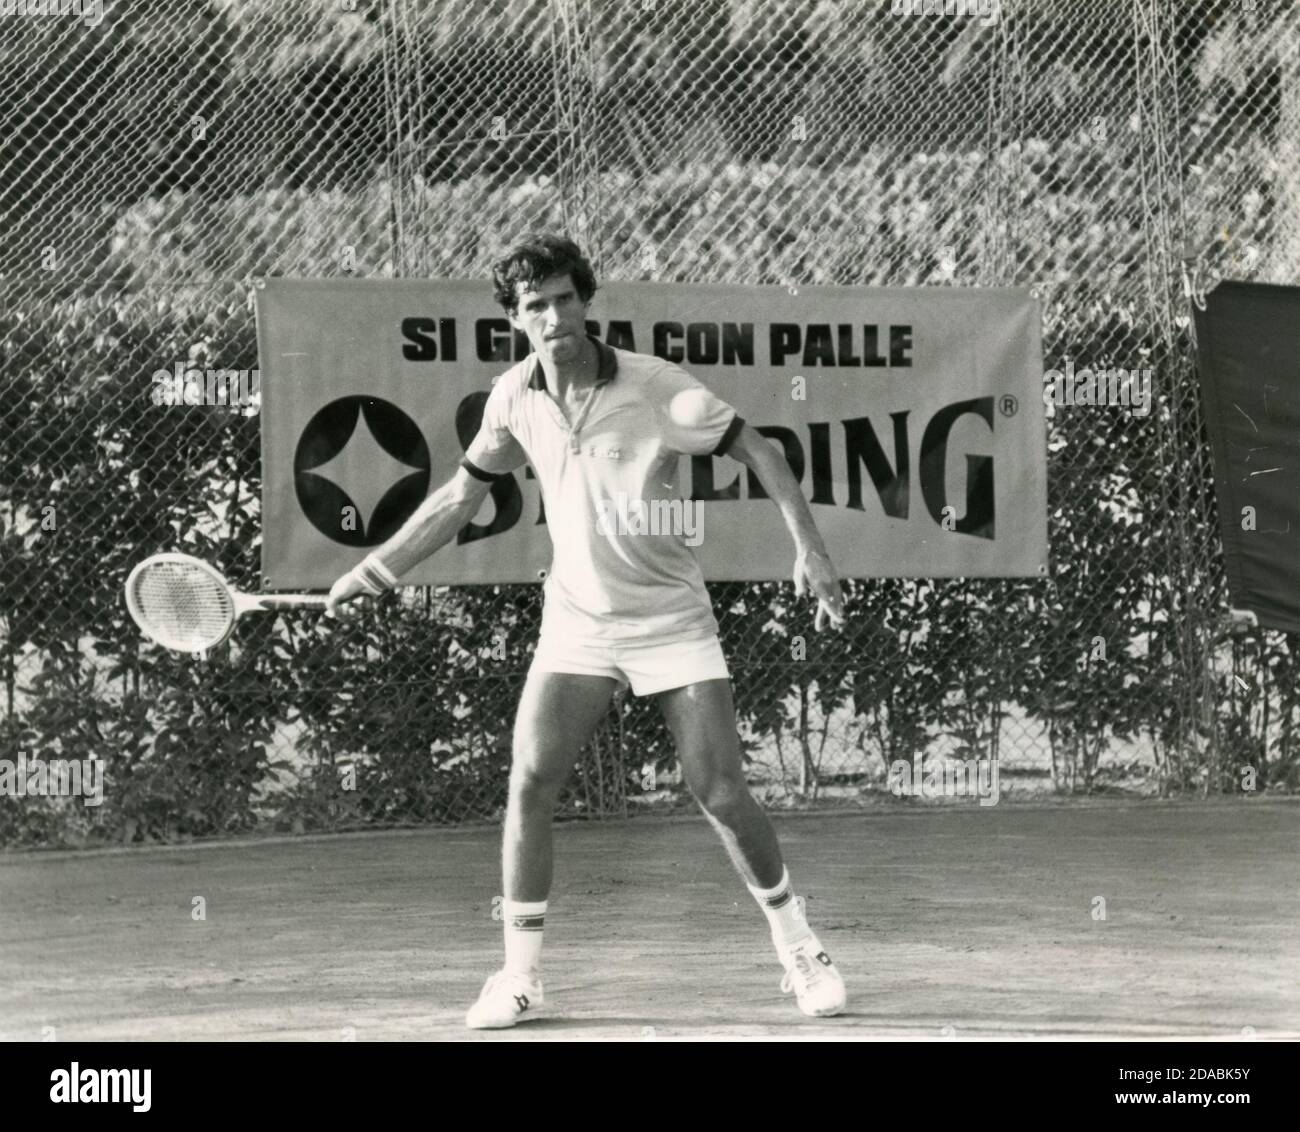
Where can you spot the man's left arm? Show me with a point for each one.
(813, 568)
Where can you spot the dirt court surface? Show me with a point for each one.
(979, 920)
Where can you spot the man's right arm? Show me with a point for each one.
(494, 452)
(433, 524)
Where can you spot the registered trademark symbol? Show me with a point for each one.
(1008, 406)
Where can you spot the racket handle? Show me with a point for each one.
(289, 601)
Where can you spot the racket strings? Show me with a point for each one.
(182, 606)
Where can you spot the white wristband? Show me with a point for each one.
(373, 576)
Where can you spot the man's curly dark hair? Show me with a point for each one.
(535, 257)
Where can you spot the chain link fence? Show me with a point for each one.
(1116, 155)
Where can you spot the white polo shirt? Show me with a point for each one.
(606, 582)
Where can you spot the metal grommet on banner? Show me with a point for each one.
(1193, 292)
(254, 284)
(1192, 269)
(1198, 289)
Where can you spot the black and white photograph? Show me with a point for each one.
(740, 522)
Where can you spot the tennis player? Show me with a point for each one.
(599, 424)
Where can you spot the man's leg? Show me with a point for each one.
(557, 714)
(702, 719)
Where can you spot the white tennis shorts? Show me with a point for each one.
(649, 667)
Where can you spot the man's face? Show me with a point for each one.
(553, 316)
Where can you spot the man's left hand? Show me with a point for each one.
(813, 570)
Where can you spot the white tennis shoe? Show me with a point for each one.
(506, 997)
(812, 976)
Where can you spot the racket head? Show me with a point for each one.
(181, 602)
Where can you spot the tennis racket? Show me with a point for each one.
(184, 604)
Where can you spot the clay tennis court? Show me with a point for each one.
(979, 920)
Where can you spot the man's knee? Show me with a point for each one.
(537, 776)
(722, 796)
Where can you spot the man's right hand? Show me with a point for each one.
(344, 590)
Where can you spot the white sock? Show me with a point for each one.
(523, 935)
(782, 909)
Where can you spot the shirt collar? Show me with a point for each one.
(605, 373)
